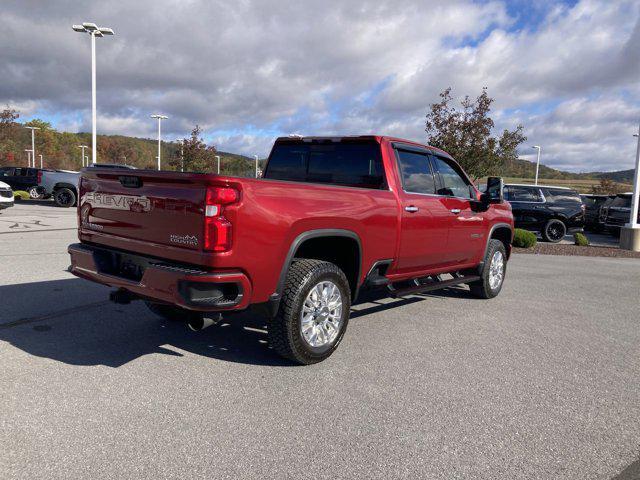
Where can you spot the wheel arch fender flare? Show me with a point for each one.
(70, 186)
(307, 235)
(492, 230)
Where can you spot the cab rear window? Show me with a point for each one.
(352, 164)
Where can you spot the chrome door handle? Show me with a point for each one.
(411, 209)
(455, 210)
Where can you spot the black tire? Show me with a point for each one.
(284, 330)
(64, 197)
(482, 288)
(554, 231)
(169, 312)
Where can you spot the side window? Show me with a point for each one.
(452, 183)
(562, 195)
(514, 193)
(416, 172)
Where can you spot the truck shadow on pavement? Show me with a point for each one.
(92, 331)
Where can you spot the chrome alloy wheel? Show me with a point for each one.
(321, 315)
(496, 270)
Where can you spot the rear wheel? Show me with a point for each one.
(554, 231)
(313, 314)
(64, 197)
(493, 271)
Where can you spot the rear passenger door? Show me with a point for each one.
(425, 217)
(466, 228)
(528, 206)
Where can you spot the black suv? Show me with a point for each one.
(552, 211)
(617, 212)
(593, 204)
(22, 178)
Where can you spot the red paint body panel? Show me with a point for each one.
(164, 218)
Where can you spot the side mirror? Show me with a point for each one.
(493, 194)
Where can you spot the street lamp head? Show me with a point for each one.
(33, 128)
(536, 146)
(92, 28)
(157, 115)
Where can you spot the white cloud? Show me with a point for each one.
(337, 67)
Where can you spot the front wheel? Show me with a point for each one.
(493, 271)
(313, 314)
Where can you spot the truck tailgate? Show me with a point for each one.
(162, 208)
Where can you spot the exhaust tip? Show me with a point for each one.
(201, 321)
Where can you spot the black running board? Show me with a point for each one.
(430, 286)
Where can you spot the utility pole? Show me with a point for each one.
(40, 155)
(28, 157)
(218, 158)
(256, 157)
(160, 118)
(95, 31)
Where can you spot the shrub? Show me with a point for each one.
(580, 239)
(20, 195)
(524, 238)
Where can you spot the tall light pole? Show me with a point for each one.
(537, 162)
(218, 158)
(160, 118)
(630, 233)
(95, 31)
(83, 157)
(28, 156)
(256, 157)
(33, 144)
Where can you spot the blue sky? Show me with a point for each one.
(249, 71)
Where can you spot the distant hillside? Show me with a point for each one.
(524, 169)
(60, 150)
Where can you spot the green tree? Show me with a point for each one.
(466, 134)
(198, 156)
(607, 187)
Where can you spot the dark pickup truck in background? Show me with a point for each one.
(330, 218)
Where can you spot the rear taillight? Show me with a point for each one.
(217, 229)
(39, 177)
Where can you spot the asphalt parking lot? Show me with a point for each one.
(541, 382)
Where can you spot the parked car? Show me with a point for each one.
(592, 204)
(551, 211)
(6, 196)
(330, 218)
(23, 178)
(617, 212)
(62, 185)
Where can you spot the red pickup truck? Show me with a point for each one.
(330, 218)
